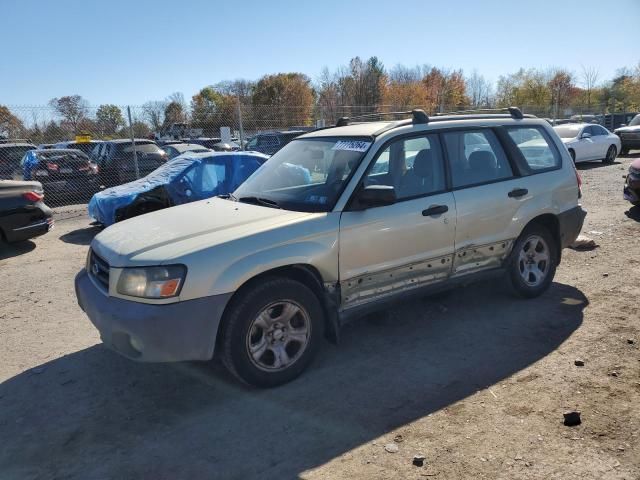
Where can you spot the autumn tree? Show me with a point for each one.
(590, 77)
(405, 89)
(284, 99)
(478, 90)
(73, 110)
(174, 112)
(10, 125)
(109, 119)
(445, 89)
(153, 112)
(211, 110)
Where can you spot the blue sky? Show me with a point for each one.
(131, 51)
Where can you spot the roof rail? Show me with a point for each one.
(515, 112)
(14, 140)
(418, 117)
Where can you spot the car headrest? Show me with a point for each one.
(482, 160)
(423, 163)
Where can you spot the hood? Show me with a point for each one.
(635, 128)
(163, 236)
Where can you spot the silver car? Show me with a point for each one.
(338, 222)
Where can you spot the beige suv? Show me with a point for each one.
(341, 221)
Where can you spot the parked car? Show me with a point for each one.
(269, 143)
(23, 214)
(10, 156)
(190, 177)
(62, 172)
(629, 135)
(587, 142)
(260, 276)
(207, 142)
(631, 190)
(84, 147)
(46, 146)
(116, 164)
(176, 149)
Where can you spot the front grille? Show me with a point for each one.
(99, 269)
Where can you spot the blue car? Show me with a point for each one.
(187, 178)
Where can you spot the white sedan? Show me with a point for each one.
(588, 141)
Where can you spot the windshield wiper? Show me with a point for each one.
(259, 201)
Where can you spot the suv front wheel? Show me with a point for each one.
(533, 262)
(272, 332)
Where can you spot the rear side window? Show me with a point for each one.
(535, 148)
(475, 157)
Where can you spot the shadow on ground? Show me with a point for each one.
(8, 250)
(81, 236)
(93, 414)
(595, 164)
(633, 213)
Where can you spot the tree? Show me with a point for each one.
(73, 109)
(109, 119)
(173, 113)
(589, 80)
(478, 90)
(289, 97)
(405, 89)
(154, 113)
(211, 110)
(445, 89)
(10, 125)
(561, 88)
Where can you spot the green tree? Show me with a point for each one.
(109, 119)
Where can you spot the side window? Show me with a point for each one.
(413, 166)
(476, 157)
(588, 130)
(536, 148)
(599, 130)
(213, 175)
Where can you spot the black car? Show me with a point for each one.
(629, 135)
(269, 143)
(10, 156)
(115, 160)
(23, 214)
(64, 173)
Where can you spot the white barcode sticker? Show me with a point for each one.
(352, 145)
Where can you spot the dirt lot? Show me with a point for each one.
(477, 381)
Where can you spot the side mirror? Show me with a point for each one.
(585, 135)
(377, 196)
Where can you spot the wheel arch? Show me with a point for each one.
(551, 223)
(306, 274)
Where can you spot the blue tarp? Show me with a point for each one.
(30, 163)
(187, 178)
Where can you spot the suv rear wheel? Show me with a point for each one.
(533, 262)
(272, 332)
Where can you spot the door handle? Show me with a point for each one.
(435, 210)
(518, 192)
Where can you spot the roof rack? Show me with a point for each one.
(515, 112)
(418, 117)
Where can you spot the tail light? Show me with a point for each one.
(52, 166)
(33, 196)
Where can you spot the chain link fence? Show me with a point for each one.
(83, 151)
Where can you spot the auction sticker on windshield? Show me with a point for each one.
(352, 145)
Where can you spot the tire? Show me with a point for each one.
(525, 280)
(611, 155)
(257, 320)
(573, 155)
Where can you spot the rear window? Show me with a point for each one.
(140, 147)
(535, 147)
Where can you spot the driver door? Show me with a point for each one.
(390, 249)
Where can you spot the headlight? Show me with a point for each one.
(152, 282)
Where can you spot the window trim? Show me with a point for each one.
(514, 169)
(423, 133)
(528, 171)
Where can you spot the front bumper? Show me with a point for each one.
(144, 332)
(570, 223)
(631, 190)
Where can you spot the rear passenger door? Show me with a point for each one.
(488, 195)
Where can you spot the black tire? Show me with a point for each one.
(573, 155)
(517, 268)
(239, 329)
(610, 157)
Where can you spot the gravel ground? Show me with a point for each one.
(476, 381)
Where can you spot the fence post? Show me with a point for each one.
(133, 144)
(240, 125)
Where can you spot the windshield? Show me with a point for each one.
(306, 175)
(568, 131)
(142, 148)
(635, 122)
